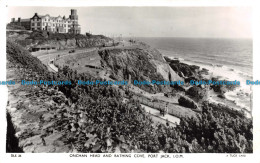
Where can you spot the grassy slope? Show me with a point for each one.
(18, 55)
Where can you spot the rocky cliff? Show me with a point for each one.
(76, 43)
(59, 40)
(141, 63)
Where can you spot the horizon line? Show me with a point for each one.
(187, 37)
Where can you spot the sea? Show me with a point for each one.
(230, 59)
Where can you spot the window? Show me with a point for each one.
(38, 24)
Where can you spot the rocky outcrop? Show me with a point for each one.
(183, 69)
(77, 43)
(188, 72)
(197, 93)
(32, 122)
(222, 88)
(58, 40)
(141, 63)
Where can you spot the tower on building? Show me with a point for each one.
(74, 19)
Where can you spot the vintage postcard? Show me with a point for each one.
(162, 82)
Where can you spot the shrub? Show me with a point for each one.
(14, 27)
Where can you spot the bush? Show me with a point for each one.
(47, 35)
(14, 27)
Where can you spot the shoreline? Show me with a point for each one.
(226, 67)
(239, 98)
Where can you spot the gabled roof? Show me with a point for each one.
(51, 17)
(47, 15)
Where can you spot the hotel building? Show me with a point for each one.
(48, 23)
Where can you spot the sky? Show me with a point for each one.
(209, 22)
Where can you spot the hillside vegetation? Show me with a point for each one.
(19, 56)
(14, 27)
(73, 118)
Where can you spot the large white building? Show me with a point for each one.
(54, 24)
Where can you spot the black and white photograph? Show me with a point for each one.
(129, 79)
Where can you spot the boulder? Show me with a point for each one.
(196, 92)
(187, 102)
(187, 70)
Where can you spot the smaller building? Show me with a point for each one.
(26, 23)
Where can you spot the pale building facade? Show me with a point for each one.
(54, 24)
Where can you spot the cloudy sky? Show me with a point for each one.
(228, 22)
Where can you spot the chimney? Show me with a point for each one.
(19, 19)
(13, 19)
